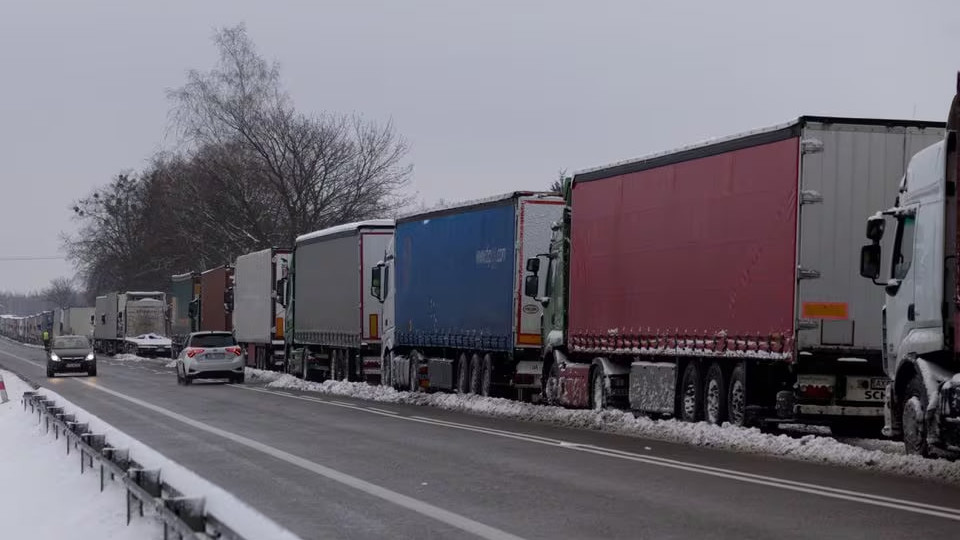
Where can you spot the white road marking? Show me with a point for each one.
(421, 507)
(384, 411)
(770, 481)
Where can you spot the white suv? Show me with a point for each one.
(210, 355)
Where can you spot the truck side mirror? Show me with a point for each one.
(875, 228)
(376, 277)
(533, 265)
(531, 285)
(228, 299)
(870, 261)
(280, 290)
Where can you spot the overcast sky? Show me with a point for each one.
(492, 95)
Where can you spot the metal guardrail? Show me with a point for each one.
(183, 517)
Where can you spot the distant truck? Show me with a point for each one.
(719, 281)
(73, 321)
(216, 301)
(920, 280)
(184, 311)
(334, 320)
(259, 306)
(131, 322)
(454, 313)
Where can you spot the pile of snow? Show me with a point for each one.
(236, 514)
(262, 376)
(812, 448)
(41, 485)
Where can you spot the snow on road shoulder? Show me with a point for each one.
(41, 485)
(812, 448)
(234, 513)
(262, 376)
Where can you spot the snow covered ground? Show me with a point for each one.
(39, 470)
(41, 486)
(869, 454)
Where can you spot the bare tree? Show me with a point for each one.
(557, 185)
(317, 171)
(61, 293)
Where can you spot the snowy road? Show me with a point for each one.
(336, 467)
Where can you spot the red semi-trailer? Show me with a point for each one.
(720, 281)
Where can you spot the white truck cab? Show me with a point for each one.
(920, 314)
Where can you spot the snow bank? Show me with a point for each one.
(42, 486)
(234, 513)
(877, 456)
(262, 376)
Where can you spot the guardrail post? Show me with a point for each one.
(149, 480)
(27, 396)
(189, 510)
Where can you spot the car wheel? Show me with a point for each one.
(179, 376)
(92, 372)
(187, 380)
(50, 373)
(691, 393)
(240, 378)
(715, 395)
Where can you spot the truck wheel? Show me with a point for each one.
(691, 393)
(736, 397)
(598, 392)
(476, 368)
(385, 361)
(715, 395)
(463, 374)
(913, 418)
(414, 382)
(551, 386)
(486, 376)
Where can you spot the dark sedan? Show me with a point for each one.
(71, 354)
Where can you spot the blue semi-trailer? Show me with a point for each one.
(455, 316)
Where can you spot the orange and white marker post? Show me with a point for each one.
(3, 391)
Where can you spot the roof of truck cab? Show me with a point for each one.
(346, 227)
(729, 143)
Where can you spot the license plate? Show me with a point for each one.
(214, 356)
(866, 389)
(74, 365)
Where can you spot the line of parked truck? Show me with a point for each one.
(714, 282)
(57, 322)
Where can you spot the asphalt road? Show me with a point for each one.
(341, 468)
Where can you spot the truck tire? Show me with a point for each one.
(551, 386)
(736, 397)
(715, 395)
(598, 389)
(486, 376)
(463, 374)
(691, 393)
(913, 418)
(413, 385)
(386, 361)
(476, 368)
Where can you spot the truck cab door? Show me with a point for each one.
(900, 289)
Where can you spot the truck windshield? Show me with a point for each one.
(213, 340)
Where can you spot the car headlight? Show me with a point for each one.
(54, 357)
(90, 357)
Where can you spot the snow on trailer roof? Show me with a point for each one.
(447, 207)
(718, 145)
(344, 228)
